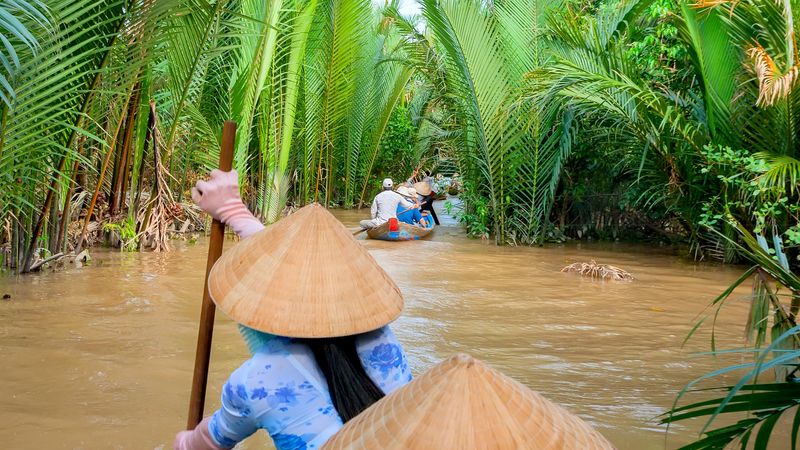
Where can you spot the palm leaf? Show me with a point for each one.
(712, 52)
(16, 19)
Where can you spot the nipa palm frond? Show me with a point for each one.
(19, 17)
(782, 173)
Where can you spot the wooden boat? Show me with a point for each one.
(405, 232)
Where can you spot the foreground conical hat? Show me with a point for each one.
(305, 277)
(462, 404)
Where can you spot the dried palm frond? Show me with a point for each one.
(602, 271)
(6, 231)
(91, 235)
(158, 214)
(192, 215)
(700, 4)
(772, 85)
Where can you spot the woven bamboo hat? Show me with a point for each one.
(423, 188)
(407, 191)
(306, 277)
(463, 404)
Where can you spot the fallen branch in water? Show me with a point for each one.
(602, 271)
(39, 264)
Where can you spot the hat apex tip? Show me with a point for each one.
(464, 359)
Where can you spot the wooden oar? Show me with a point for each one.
(207, 311)
(406, 196)
(401, 212)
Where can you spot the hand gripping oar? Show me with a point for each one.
(204, 334)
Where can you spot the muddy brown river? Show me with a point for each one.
(101, 357)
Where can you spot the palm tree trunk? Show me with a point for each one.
(115, 180)
(14, 255)
(37, 231)
(28, 258)
(52, 223)
(140, 185)
(64, 223)
(121, 187)
(152, 123)
(101, 177)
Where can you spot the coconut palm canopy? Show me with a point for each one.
(534, 103)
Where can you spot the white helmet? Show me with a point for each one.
(387, 183)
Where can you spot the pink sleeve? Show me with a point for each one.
(197, 439)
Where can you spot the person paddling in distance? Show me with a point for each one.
(384, 206)
(313, 307)
(426, 189)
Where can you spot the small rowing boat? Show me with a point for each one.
(405, 232)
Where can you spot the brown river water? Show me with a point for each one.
(101, 357)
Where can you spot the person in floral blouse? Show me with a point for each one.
(300, 390)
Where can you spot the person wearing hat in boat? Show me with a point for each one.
(427, 190)
(313, 307)
(384, 206)
(410, 216)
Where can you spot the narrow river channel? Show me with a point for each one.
(101, 357)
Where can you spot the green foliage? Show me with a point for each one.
(656, 48)
(473, 58)
(585, 118)
(750, 193)
(397, 156)
(129, 240)
(736, 171)
(476, 214)
(18, 17)
(599, 194)
(773, 313)
(764, 403)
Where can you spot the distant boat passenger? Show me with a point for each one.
(384, 206)
(427, 190)
(410, 216)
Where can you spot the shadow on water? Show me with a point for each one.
(101, 357)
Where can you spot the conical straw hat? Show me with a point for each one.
(423, 187)
(462, 404)
(305, 277)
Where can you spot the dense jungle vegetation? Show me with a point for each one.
(646, 119)
(639, 119)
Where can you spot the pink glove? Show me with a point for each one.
(197, 439)
(220, 198)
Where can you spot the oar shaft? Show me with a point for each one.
(406, 210)
(207, 311)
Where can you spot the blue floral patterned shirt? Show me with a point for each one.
(282, 390)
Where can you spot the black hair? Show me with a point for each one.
(351, 389)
